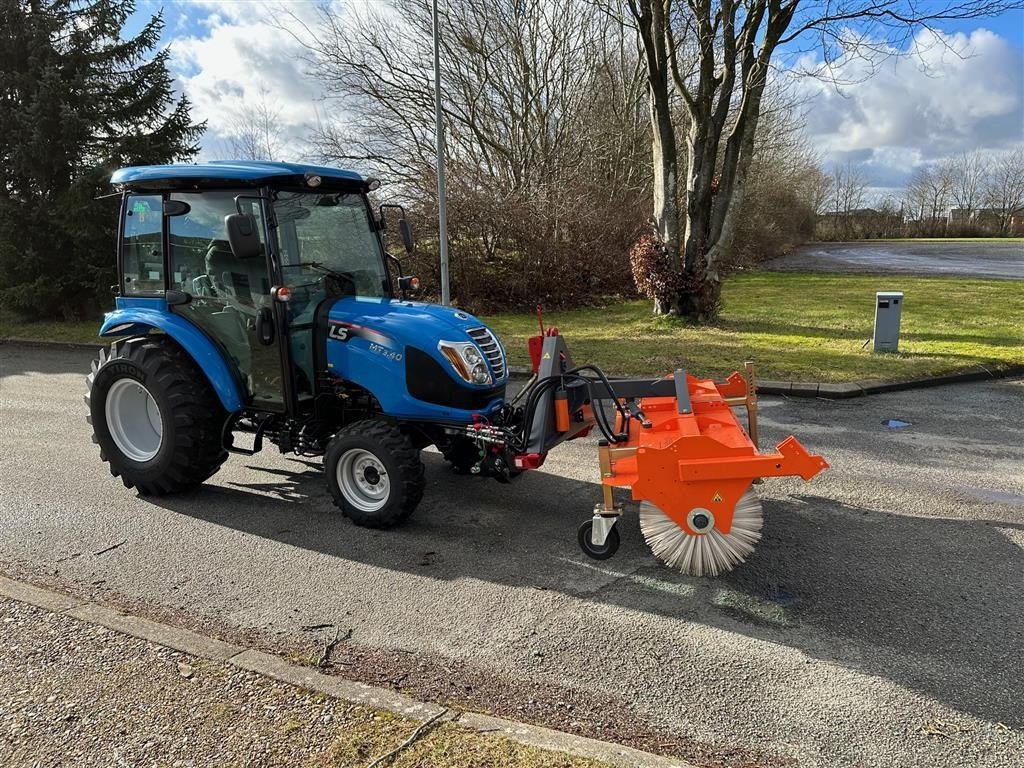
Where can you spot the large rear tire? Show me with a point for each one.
(154, 415)
(375, 473)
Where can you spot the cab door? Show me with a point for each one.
(327, 246)
(229, 298)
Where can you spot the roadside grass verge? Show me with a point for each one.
(799, 327)
(446, 746)
(84, 331)
(794, 326)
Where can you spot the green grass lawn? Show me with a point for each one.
(800, 327)
(80, 330)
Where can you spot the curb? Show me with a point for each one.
(277, 668)
(830, 390)
(827, 390)
(17, 341)
(843, 390)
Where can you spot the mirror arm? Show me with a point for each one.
(383, 218)
(401, 273)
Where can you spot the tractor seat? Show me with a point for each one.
(234, 278)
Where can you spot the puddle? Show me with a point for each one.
(897, 424)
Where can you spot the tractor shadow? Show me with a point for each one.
(864, 588)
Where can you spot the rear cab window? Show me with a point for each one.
(142, 250)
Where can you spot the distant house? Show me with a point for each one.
(960, 215)
(986, 219)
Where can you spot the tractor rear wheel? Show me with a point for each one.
(154, 416)
(375, 473)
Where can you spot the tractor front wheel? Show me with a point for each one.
(375, 473)
(154, 416)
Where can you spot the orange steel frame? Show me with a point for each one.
(703, 458)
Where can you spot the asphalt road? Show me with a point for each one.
(990, 258)
(879, 623)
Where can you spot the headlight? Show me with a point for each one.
(466, 360)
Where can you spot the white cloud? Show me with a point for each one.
(237, 55)
(945, 94)
(948, 94)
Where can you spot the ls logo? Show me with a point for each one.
(338, 332)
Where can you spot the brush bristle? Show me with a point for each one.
(711, 553)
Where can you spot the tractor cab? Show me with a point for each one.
(247, 253)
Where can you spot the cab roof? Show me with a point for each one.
(221, 172)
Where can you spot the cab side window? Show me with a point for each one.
(142, 245)
(201, 260)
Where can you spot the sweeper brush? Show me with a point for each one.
(708, 553)
(676, 443)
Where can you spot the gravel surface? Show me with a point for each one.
(76, 694)
(879, 623)
(990, 258)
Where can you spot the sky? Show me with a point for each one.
(959, 91)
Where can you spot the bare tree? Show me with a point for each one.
(1005, 189)
(970, 172)
(928, 194)
(517, 76)
(256, 132)
(943, 181)
(849, 187)
(916, 194)
(545, 117)
(786, 187)
(715, 57)
(818, 188)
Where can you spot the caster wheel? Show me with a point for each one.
(591, 550)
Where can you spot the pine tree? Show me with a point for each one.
(77, 101)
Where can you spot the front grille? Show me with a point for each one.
(491, 348)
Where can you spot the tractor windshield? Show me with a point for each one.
(330, 231)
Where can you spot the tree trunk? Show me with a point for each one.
(666, 170)
(664, 151)
(692, 301)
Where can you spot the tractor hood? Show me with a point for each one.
(392, 348)
(412, 323)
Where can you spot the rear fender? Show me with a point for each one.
(134, 320)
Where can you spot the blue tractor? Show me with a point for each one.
(257, 297)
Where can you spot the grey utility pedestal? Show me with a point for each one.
(888, 306)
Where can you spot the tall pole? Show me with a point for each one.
(442, 203)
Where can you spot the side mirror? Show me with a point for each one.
(243, 235)
(407, 238)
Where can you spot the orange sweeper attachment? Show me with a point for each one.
(675, 442)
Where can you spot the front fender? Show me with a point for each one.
(132, 320)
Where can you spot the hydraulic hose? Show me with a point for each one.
(600, 417)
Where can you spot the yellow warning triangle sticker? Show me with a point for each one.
(547, 355)
(718, 498)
